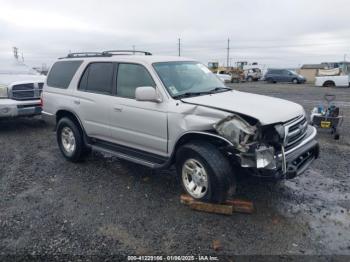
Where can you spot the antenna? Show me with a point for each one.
(179, 46)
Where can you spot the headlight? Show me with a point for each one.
(281, 132)
(236, 130)
(3, 91)
(265, 157)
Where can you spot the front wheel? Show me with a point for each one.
(205, 172)
(295, 81)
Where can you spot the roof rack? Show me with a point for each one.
(85, 54)
(104, 53)
(124, 52)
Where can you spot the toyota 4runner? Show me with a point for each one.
(157, 111)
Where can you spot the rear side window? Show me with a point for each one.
(131, 76)
(97, 78)
(62, 73)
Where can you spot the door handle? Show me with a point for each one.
(117, 109)
(77, 102)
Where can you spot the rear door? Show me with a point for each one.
(138, 124)
(95, 92)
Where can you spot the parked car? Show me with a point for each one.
(20, 90)
(160, 111)
(252, 74)
(333, 77)
(283, 75)
(332, 81)
(224, 77)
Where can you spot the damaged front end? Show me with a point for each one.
(255, 146)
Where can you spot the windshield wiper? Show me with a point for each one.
(189, 94)
(221, 89)
(211, 91)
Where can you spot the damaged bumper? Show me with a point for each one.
(294, 161)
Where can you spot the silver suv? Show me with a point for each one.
(157, 111)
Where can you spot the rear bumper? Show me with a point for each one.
(12, 108)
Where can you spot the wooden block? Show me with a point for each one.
(217, 245)
(186, 199)
(235, 205)
(211, 208)
(241, 206)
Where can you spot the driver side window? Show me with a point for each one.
(131, 76)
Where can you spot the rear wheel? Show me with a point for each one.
(70, 140)
(205, 172)
(329, 84)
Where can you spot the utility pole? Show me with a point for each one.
(179, 46)
(15, 52)
(133, 48)
(344, 57)
(228, 52)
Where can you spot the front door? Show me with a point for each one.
(138, 124)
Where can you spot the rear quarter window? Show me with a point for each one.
(62, 73)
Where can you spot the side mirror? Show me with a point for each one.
(147, 93)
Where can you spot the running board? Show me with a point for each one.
(136, 156)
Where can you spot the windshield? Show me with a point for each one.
(182, 78)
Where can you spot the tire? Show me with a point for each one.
(220, 180)
(295, 81)
(67, 131)
(250, 79)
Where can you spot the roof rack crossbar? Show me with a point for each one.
(122, 52)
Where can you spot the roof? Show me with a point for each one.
(148, 59)
(313, 66)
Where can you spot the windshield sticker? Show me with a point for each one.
(173, 90)
(204, 69)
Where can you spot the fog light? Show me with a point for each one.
(265, 157)
(5, 110)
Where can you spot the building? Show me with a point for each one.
(310, 71)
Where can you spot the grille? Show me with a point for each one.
(295, 132)
(26, 91)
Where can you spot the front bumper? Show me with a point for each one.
(12, 108)
(294, 161)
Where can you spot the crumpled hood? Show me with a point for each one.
(268, 110)
(10, 79)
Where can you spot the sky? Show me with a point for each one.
(278, 33)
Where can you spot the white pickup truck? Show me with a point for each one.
(333, 77)
(20, 90)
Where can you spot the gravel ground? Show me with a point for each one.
(49, 206)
